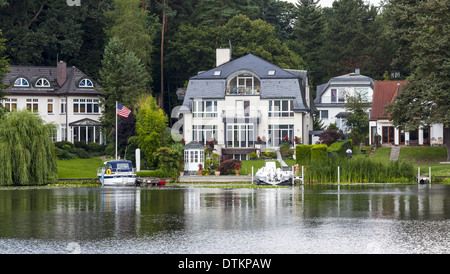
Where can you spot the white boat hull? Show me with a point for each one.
(118, 180)
(270, 175)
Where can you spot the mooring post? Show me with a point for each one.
(303, 177)
(418, 175)
(339, 179)
(252, 175)
(429, 174)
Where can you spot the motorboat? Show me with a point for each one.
(269, 174)
(117, 173)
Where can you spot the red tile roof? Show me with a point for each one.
(384, 92)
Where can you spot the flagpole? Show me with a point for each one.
(116, 130)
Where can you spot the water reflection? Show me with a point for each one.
(306, 219)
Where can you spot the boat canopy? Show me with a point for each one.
(124, 166)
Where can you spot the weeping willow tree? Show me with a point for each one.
(26, 150)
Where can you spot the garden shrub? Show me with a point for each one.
(253, 156)
(303, 154)
(285, 150)
(228, 166)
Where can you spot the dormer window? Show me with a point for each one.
(42, 83)
(21, 82)
(86, 83)
(244, 84)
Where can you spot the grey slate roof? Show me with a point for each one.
(248, 62)
(194, 145)
(346, 80)
(33, 73)
(284, 84)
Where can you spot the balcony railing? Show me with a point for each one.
(243, 90)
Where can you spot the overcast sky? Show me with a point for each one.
(328, 3)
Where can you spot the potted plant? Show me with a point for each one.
(200, 169)
(297, 140)
(258, 140)
(237, 166)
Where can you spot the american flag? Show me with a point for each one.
(123, 111)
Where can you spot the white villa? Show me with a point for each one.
(247, 105)
(61, 95)
(331, 97)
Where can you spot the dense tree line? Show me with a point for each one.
(176, 38)
(168, 41)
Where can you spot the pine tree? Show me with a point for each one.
(308, 38)
(352, 39)
(123, 79)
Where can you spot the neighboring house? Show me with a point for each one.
(61, 95)
(380, 123)
(247, 105)
(332, 97)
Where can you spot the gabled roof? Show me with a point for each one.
(33, 73)
(384, 92)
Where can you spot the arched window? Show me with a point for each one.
(42, 83)
(21, 82)
(86, 83)
(244, 83)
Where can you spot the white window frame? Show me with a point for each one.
(321, 116)
(50, 106)
(32, 103)
(204, 133)
(63, 105)
(42, 83)
(8, 104)
(275, 139)
(200, 108)
(280, 110)
(93, 104)
(340, 97)
(240, 135)
(86, 83)
(21, 82)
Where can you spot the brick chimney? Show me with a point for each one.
(61, 73)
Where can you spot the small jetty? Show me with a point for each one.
(149, 181)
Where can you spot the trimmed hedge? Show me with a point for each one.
(303, 154)
(319, 153)
(158, 173)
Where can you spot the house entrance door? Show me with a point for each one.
(388, 135)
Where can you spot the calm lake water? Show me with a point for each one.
(309, 219)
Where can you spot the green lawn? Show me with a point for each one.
(79, 168)
(425, 157)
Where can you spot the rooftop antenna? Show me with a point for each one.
(231, 50)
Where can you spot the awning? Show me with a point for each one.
(342, 114)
